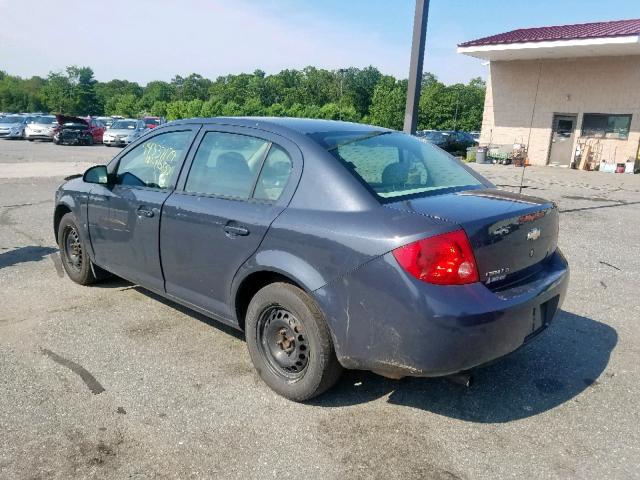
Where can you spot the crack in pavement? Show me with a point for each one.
(89, 380)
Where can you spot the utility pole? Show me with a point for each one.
(341, 71)
(415, 66)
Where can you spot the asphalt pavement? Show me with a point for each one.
(111, 381)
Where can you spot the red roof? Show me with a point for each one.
(617, 28)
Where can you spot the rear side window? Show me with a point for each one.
(153, 163)
(395, 165)
(274, 175)
(226, 165)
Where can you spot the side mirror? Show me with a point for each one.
(97, 174)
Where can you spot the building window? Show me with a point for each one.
(600, 125)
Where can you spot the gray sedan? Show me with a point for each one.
(330, 244)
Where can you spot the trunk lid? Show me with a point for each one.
(510, 234)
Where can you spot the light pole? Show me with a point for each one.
(415, 66)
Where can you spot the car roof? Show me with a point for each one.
(304, 126)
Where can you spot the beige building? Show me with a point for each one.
(570, 93)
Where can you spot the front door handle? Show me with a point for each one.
(145, 211)
(236, 230)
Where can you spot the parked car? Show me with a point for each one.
(153, 122)
(12, 126)
(107, 121)
(40, 128)
(330, 244)
(71, 130)
(123, 132)
(454, 142)
(97, 129)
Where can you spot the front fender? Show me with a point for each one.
(77, 203)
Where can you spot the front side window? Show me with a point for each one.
(395, 165)
(606, 126)
(226, 165)
(154, 163)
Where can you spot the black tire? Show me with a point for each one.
(283, 319)
(74, 252)
(89, 141)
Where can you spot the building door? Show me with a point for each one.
(562, 140)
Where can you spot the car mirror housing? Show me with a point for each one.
(97, 174)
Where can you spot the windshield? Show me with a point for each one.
(11, 119)
(395, 165)
(124, 125)
(152, 121)
(44, 120)
(436, 136)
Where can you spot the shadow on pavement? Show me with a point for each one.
(556, 367)
(30, 253)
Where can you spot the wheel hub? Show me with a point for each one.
(282, 342)
(73, 248)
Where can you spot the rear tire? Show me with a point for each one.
(289, 342)
(74, 252)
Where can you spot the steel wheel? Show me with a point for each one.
(282, 342)
(73, 254)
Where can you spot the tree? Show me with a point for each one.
(360, 95)
(83, 92)
(156, 91)
(57, 94)
(388, 103)
(107, 90)
(125, 105)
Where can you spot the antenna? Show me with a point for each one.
(533, 111)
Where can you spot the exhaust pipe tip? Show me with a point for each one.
(461, 378)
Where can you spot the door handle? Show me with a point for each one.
(236, 231)
(145, 212)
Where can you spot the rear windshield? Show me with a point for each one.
(394, 165)
(152, 121)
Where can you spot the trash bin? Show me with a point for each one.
(481, 155)
(471, 154)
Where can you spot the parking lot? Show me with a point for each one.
(111, 381)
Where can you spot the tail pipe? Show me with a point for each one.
(461, 378)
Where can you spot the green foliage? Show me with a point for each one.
(388, 103)
(353, 94)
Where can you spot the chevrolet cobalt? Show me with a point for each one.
(330, 244)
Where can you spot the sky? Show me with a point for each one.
(143, 40)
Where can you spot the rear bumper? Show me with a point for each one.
(386, 321)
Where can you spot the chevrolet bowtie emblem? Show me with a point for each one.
(533, 234)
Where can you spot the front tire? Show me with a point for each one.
(289, 342)
(74, 252)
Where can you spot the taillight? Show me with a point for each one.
(445, 259)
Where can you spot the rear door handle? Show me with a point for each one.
(144, 211)
(236, 230)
